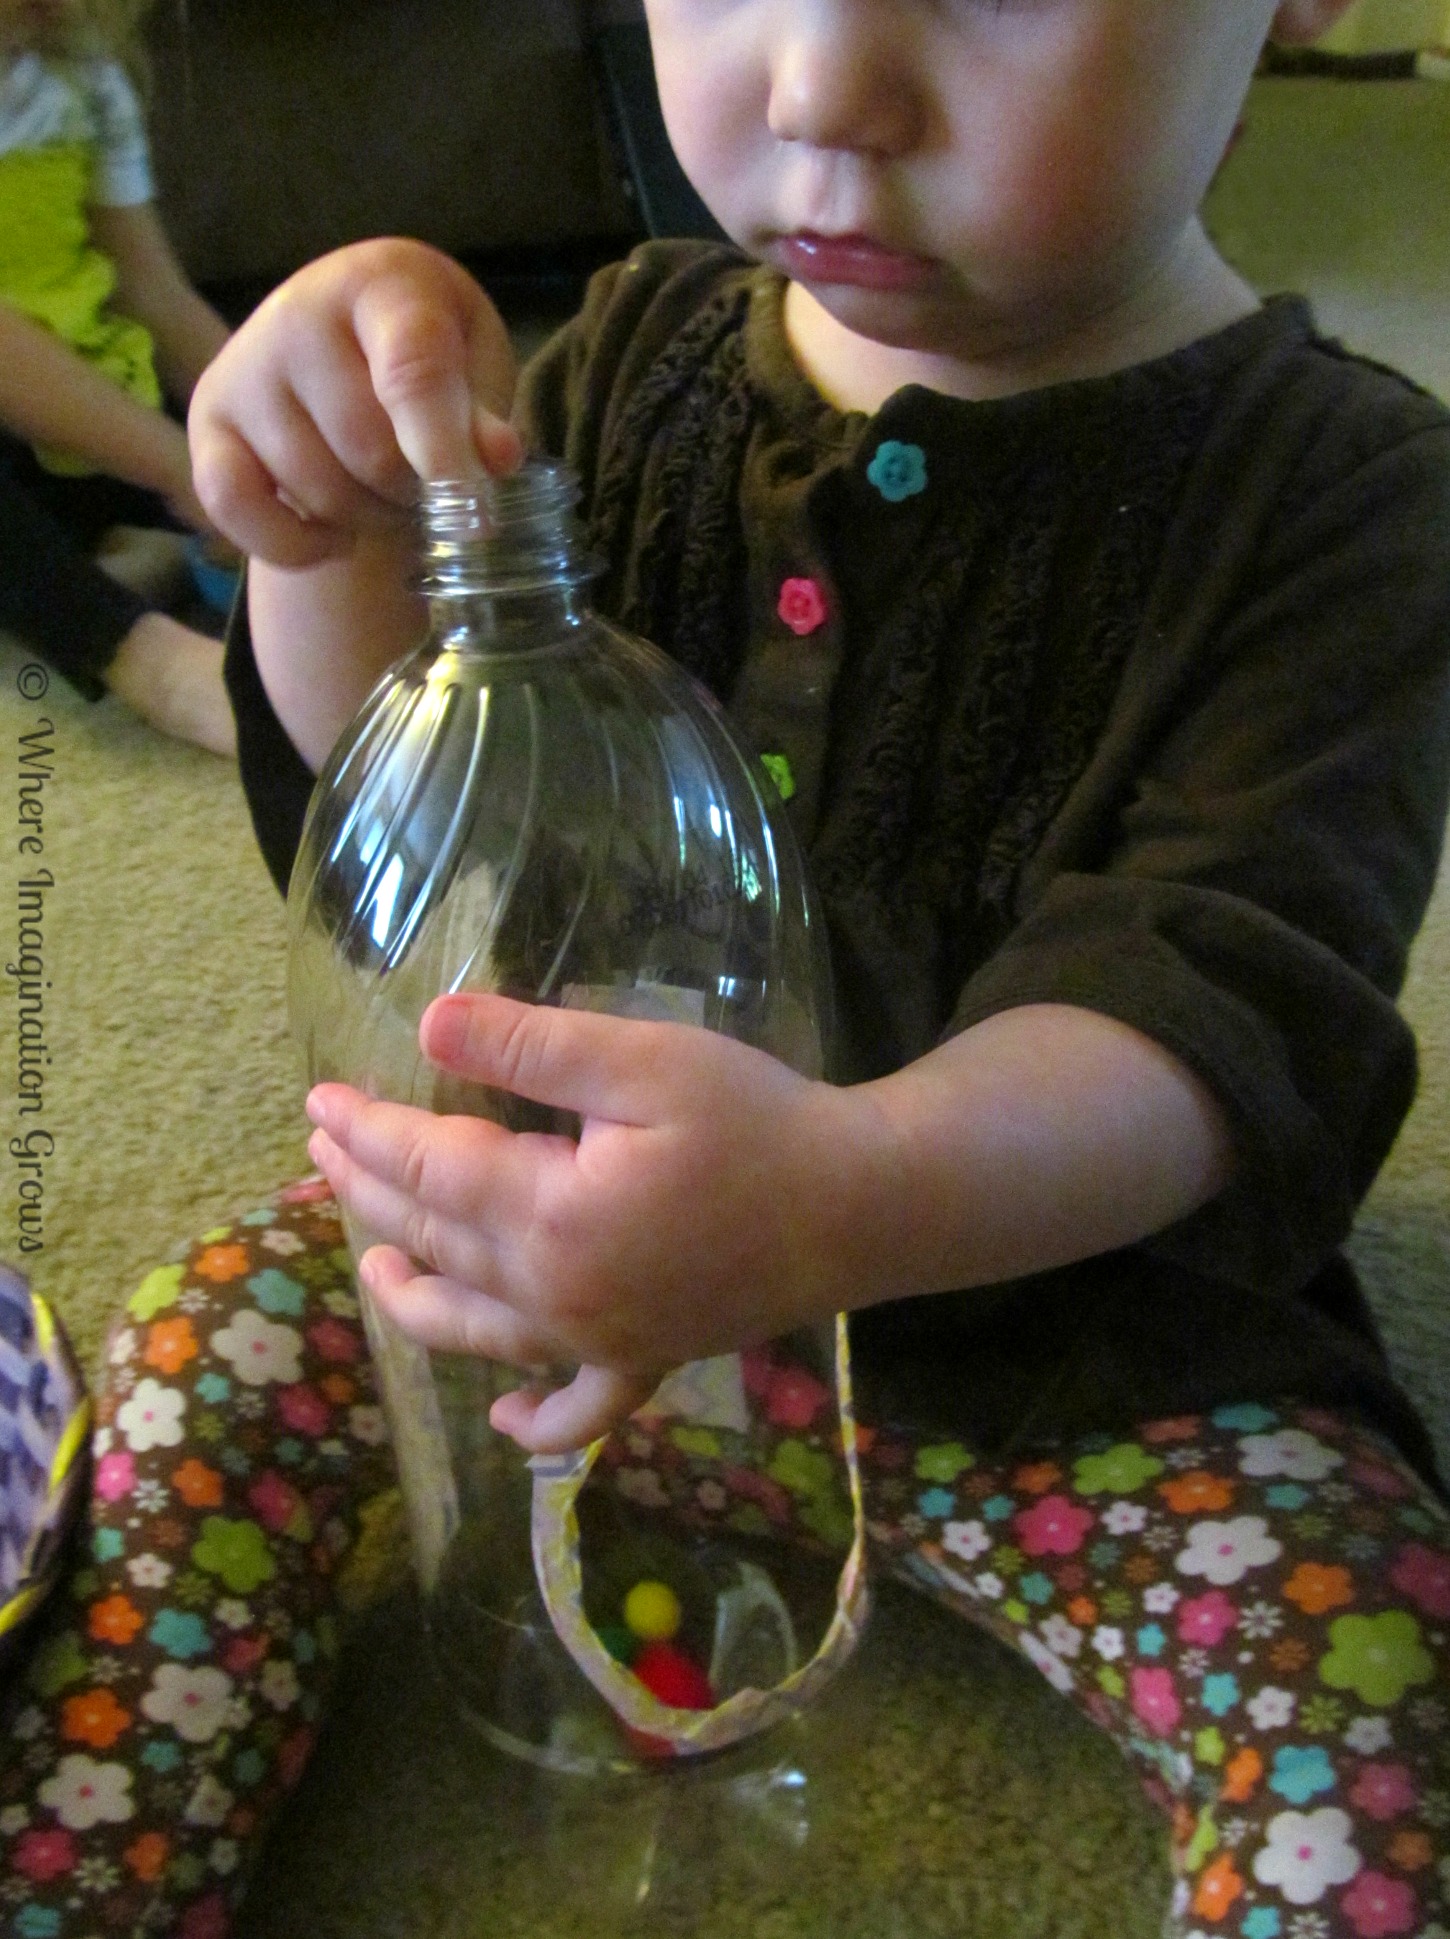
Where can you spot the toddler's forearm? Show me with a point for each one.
(323, 634)
(1040, 1136)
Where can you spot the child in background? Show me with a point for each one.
(1096, 614)
(97, 319)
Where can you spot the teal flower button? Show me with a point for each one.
(180, 1633)
(778, 768)
(897, 470)
(1301, 1772)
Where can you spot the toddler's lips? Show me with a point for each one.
(857, 260)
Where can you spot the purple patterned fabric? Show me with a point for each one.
(42, 1407)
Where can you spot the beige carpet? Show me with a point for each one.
(951, 1792)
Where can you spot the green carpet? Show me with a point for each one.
(950, 1791)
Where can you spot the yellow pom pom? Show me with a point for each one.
(652, 1610)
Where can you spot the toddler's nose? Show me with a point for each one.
(838, 80)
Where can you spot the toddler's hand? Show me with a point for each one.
(374, 366)
(687, 1220)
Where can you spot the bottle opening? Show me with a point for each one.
(514, 534)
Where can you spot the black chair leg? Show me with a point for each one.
(624, 71)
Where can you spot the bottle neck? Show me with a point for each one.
(502, 621)
(503, 559)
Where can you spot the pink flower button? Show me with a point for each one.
(335, 1340)
(802, 605)
(115, 1475)
(1383, 1791)
(795, 1398)
(1206, 1619)
(1055, 1526)
(274, 1500)
(1154, 1700)
(1378, 1906)
(304, 1410)
(1422, 1573)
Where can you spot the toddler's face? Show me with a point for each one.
(947, 175)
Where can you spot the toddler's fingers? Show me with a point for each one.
(397, 1218)
(423, 1181)
(448, 1317)
(597, 1400)
(335, 392)
(314, 440)
(240, 497)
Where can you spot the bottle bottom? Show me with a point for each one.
(743, 1614)
(648, 1846)
(648, 1843)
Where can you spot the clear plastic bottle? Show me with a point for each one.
(536, 803)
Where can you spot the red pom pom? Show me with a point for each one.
(667, 1673)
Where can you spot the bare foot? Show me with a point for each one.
(152, 563)
(173, 677)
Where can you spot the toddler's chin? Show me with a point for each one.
(926, 326)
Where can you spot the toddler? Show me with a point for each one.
(1093, 618)
(96, 319)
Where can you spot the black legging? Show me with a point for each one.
(53, 596)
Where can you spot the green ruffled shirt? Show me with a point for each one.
(48, 267)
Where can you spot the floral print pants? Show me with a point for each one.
(173, 1687)
(1254, 1604)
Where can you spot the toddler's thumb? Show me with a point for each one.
(595, 1066)
(595, 1401)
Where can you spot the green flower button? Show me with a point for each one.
(698, 1441)
(829, 1519)
(157, 1290)
(803, 1469)
(1378, 1657)
(185, 1872)
(237, 1551)
(944, 1462)
(1203, 1841)
(1120, 1470)
(749, 1519)
(60, 1661)
(778, 768)
(1208, 1746)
